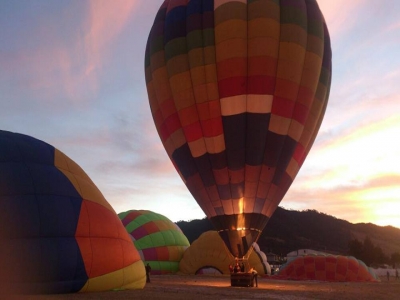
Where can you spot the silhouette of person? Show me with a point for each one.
(387, 275)
(397, 274)
(237, 268)
(230, 269)
(242, 267)
(255, 274)
(148, 269)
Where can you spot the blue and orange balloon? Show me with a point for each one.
(58, 234)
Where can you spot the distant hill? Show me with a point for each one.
(289, 230)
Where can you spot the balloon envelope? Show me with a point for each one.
(208, 252)
(58, 234)
(326, 268)
(160, 242)
(238, 90)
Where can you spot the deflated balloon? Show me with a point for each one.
(327, 268)
(238, 90)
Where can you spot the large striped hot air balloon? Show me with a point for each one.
(238, 90)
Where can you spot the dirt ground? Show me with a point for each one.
(218, 287)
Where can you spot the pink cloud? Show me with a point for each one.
(384, 181)
(44, 72)
(394, 26)
(52, 62)
(106, 19)
(392, 31)
(340, 15)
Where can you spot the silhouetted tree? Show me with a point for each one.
(368, 252)
(355, 248)
(379, 257)
(395, 259)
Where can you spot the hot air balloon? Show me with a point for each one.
(327, 268)
(58, 234)
(160, 242)
(207, 255)
(238, 90)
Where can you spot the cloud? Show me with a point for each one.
(106, 19)
(393, 27)
(353, 173)
(357, 155)
(63, 59)
(374, 200)
(383, 181)
(340, 15)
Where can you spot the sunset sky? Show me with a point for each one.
(72, 75)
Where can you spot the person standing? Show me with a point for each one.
(148, 270)
(397, 274)
(388, 275)
(255, 274)
(230, 269)
(236, 269)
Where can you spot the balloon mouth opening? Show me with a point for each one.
(239, 241)
(242, 229)
(239, 231)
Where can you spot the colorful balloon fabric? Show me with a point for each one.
(258, 261)
(327, 268)
(58, 234)
(238, 90)
(209, 253)
(159, 241)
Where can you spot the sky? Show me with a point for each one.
(72, 75)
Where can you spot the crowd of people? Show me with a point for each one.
(237, 268)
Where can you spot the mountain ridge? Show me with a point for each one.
(290, 230)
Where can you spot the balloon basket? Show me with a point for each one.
(242, 279)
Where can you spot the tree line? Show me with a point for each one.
(371, 254)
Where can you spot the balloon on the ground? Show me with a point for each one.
(326, 268)
(208, 271)
(58, 234)
(209, 253)
(160, 242)
(258, 261)
(238, 91)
